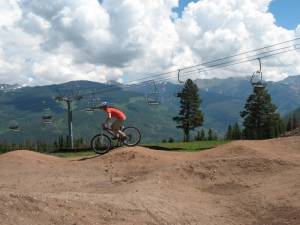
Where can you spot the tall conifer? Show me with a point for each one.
(190, 115)
(261, 119)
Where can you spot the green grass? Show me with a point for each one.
(187, 146)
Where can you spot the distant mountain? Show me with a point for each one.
(285, 94)
(9, 87)
(292, 81)
(222, 100)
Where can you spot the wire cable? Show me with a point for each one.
(203, 69)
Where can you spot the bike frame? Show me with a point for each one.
(110, 131)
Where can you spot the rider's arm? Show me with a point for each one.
(108, 117)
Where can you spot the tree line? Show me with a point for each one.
(60, 144)
(261, 119)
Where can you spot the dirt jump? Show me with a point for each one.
(241, 183)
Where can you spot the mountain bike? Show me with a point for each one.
(101, 143)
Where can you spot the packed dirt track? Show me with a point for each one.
(241, 183)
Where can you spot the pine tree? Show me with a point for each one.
(202, 135)
(295, 122)
(236, 132)
(190, 115)
(171, 140)
(289, 125)
(228, 135)
(215, 136)
(210, 134)
(261, 120)
(198, 137)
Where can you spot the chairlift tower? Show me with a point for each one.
(69, 101)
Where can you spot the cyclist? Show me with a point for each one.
(119, 117)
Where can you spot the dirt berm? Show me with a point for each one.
(241, 183)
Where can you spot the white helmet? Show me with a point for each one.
(103, 104)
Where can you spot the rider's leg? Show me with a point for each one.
(116, 126)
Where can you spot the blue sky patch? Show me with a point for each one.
(286, 13)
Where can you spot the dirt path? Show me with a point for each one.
(244, 182)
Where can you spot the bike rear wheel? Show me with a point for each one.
(133, 136)
(101, 144)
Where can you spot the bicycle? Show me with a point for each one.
(101, 143)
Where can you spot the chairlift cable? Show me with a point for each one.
(212, 61)
(237, 62)
(204, 69)
(266, 52)
(214, 67)
(210, 69)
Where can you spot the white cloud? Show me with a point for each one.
(45, 42)
(222, 28)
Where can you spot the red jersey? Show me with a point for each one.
(116, 113)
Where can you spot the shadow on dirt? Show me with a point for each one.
(86, 158)
(155, 147)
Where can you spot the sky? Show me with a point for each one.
(286, 12)
(47, 42)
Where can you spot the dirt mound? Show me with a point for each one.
(244, 182)
(27, 156)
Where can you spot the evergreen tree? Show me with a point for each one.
(210, 134)
(236, 132)
(295, 122)
(190, 115)
(215, 136)
(202, 135)
(61, 142)
(261, 120)
(56, 145)
(228, 135)
(198, 137)
(289, 125)
(171, 140)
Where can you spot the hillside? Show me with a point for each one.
(222, 100)
(244, 182)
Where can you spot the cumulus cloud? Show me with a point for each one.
(44, 42)
(222, 28)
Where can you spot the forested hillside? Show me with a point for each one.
(222, 101)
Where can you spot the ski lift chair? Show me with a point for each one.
(47, 117)
(153, 97)
(178, 77)
(13, 126)
(92, 104)
(179, 81)
(88, 110)
(257, 77)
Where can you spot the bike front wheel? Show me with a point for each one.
(101, 144)
(133, 136)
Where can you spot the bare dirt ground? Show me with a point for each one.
(241, 183)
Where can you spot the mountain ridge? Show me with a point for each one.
(222, 100)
